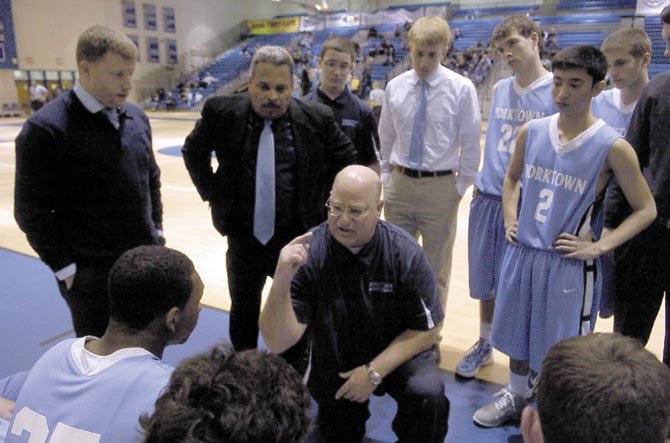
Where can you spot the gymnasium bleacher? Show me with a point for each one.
(574, 21)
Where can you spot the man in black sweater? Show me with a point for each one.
(643, 264)
(87, 183)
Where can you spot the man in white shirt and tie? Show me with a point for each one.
(429, 131)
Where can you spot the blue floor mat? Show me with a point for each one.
(34, 316)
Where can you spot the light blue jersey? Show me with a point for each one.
(59, 404)
(559, 181)
(608, 106)
(542, 297)
(512, 107)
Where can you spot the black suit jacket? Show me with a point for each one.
(322, 150)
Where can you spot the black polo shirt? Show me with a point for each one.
(355, 305)
(356, 120)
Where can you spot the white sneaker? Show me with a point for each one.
(507, 407)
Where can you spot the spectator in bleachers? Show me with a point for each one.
(208, 79)
(351, 113)
(372, 32)
(305, 81)
(376, 99)
(429, 158)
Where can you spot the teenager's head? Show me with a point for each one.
(336, 62)
(600, 388)
(518, 39)
(106, 62)
(578, 77)
(583, 57)
(227, 396)
(628, 53)
(665, 33)
(428, 42)
(155, 285)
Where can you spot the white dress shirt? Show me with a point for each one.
(453, 131)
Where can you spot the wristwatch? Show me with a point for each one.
(374, 376)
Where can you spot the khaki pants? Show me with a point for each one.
(426, 206)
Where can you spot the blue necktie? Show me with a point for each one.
(419, 129)
(112, 115)
(264, 210)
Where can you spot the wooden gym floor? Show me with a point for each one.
(188, 228)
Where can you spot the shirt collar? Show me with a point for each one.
(432, 78)
(90, 103)
(340, 99)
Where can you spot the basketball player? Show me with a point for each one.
(549, 286)
(516, 100)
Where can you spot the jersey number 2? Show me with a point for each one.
(546, 198)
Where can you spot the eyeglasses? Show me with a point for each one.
(336, 210)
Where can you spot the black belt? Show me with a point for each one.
(418, 174)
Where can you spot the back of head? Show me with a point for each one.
(225, 396)
(603, 388)
(98, 40)
(585, 57)
(339, 44)
(146, 282)
(523, 24)
(430, 31)
(633, 41)
(274, 55)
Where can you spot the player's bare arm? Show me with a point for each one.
(511, 185)
(623, 164)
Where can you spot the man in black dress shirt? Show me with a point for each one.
(309, 150)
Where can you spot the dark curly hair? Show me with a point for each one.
(234, 397)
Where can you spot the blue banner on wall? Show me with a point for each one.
(153, 50)
(171, 46)
(169, 19)
(8, 57)
(150, 18)
(129, 14)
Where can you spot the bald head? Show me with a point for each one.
(359, 180)
(356, 206)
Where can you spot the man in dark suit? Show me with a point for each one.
(261, 209)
